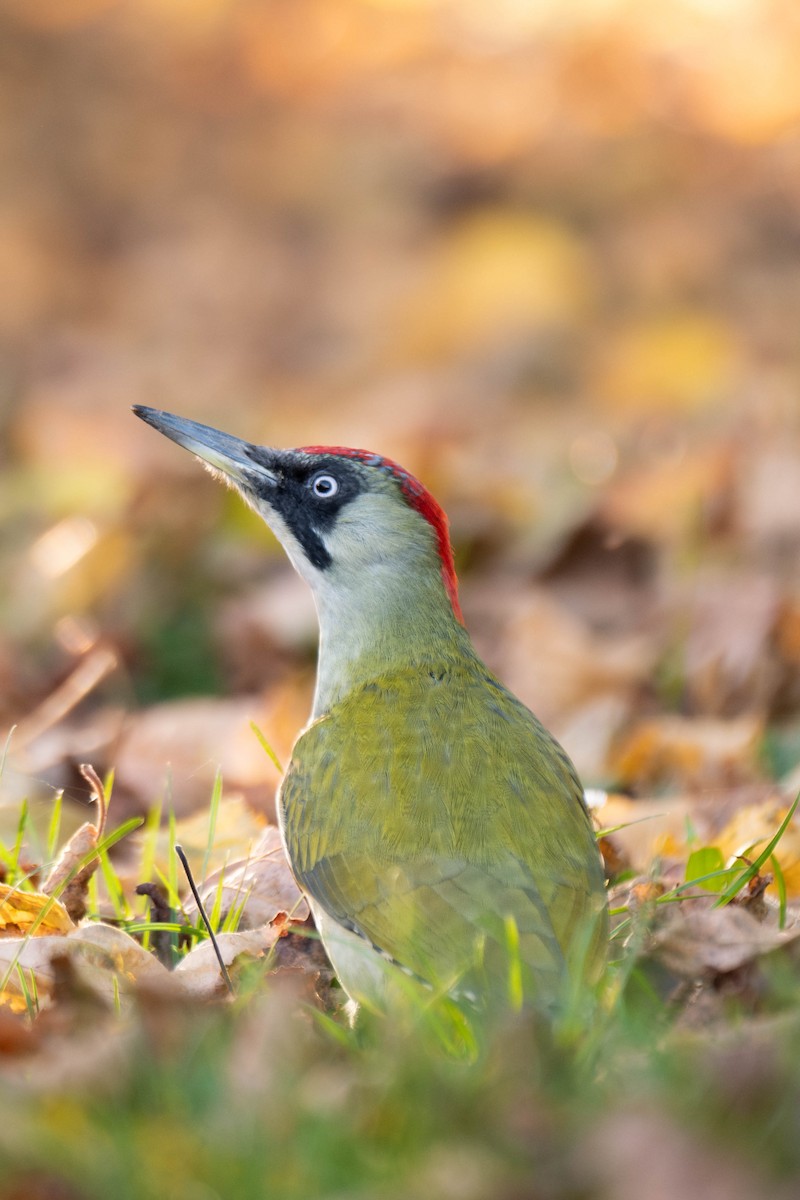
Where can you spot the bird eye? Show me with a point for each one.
(324, 486)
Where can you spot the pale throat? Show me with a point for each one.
(398, 621)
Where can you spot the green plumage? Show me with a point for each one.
(427, 807)
(432, 821)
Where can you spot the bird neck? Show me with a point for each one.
(393, 623)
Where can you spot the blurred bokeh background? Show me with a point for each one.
(547, 255)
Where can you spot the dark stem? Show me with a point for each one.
(206, 922)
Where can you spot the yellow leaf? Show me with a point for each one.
(14, 1001)
(648, 828)
(681, 361)
(692, 751)
(19, 910)
(497, 273)
(749, 831)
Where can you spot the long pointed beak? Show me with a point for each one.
(232, 456)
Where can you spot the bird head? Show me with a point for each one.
(342, 515)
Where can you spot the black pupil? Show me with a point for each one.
(324, 486)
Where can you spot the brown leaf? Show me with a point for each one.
(192, 739)
(106, 960)
(67, 870)
(580, 684)
(696, 939)
(691, 752)
(727, 660)
(661, 501)
(199, 974)
(262, 885)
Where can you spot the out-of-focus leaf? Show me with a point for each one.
(681, 361)
(705, 867)
(19, 911)
(666, 501)
(750, 830)
(767, 486)
(498, 275)
(261, 885)
(648, 829)
(696, 939)
(583, 684)
(107, 960)
(188, 740)
(689, 751)
(728, 662)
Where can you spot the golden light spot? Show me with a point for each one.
(62, 546)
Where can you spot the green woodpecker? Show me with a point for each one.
(430, 819)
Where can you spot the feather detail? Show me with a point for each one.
(424, 811)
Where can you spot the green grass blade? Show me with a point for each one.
(114, 888)
(749, 872)
(780, 886)
(93, 897)
(102, 847)
(607, 832)
(108, 784)
(54, 826)
(172, 861)
(265, 746)
(515, 989)
(22, 828)
(213, 812)
(152, 824)
(216, 908)
(173, 897)
(234, 913)
(29, 993)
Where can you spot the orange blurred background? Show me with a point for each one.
(547, 255)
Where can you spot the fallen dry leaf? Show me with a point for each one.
(19, 911)
(661, 501)
(768, 484)
(751, 828)
(581, 684)
(695, 938)
(106, 960)
(648, 828)
(690, 752)
(728, 663)
(187, 741)
(199, 974)
(72, 869)
(262, 885)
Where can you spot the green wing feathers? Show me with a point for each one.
(423, 833)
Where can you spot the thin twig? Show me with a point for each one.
(89, 672)
(98, 794)
(206, 922)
